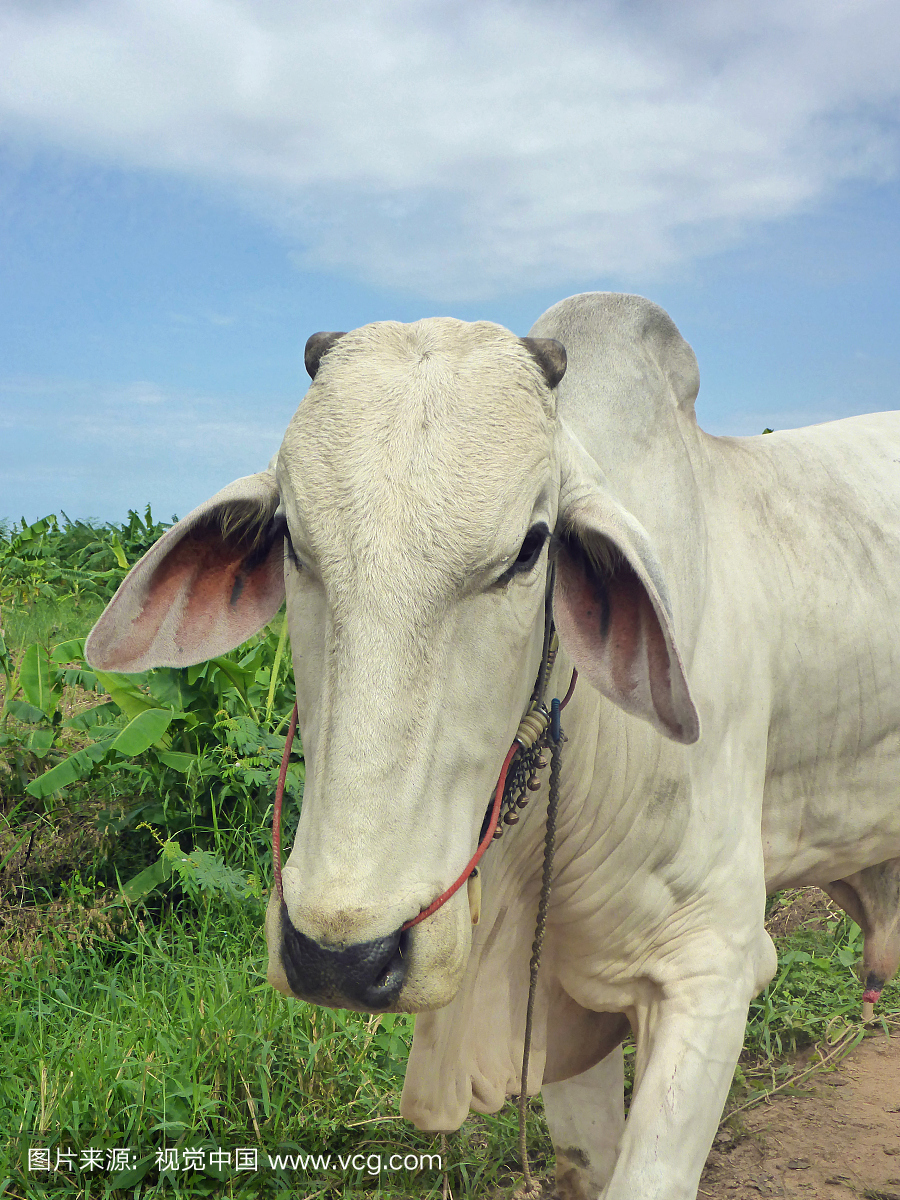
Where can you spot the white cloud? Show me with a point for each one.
(464, 147)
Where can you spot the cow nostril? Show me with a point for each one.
(395, 968)
(368, 974)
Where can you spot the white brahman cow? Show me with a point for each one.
(731, 605)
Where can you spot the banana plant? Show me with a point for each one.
(200, 743)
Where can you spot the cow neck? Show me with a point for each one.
(518, 775)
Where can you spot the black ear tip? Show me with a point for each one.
(550, 356)
(316, 346)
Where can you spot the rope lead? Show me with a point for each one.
(541, 924)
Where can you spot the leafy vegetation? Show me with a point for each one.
(65, 570)
(134, 855)
(815, 994)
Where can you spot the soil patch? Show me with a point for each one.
(838, 1139)
(42, 854)
(800, 908)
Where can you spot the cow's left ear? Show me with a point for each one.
(211, 581)
(611, 607)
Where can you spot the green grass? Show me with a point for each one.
(168, 1034)
(815, 995)
(49, 621)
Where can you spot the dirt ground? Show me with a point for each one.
(837, 1140)
(833, 1138)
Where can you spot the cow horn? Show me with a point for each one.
(316, 346)
(550, 356)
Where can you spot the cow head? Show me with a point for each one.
(420, 490)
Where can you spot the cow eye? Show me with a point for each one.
(531, 548)
(284, 532)
(292, 554)
(529, 553)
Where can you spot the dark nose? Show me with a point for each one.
(368, 975)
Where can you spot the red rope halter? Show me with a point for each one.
(467, 870)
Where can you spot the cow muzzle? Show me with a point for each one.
(366, 975)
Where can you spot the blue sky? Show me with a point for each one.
(189, 188)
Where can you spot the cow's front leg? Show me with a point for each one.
(586, 1116)
(688, 1042)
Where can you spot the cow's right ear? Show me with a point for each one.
(213, 580)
